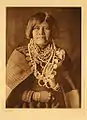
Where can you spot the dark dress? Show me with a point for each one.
(28, 82)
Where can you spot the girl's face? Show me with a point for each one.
(41, 34)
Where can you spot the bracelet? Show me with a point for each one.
(24, 95)
(27, 96)
(32, 95)
(36, 96)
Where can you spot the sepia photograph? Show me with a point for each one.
(43, 57)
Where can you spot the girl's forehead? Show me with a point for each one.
(42, 24)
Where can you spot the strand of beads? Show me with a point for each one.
(46, 78)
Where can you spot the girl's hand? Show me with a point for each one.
(42, 96)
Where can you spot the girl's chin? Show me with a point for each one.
(42, 44)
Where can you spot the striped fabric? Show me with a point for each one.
(17, 69)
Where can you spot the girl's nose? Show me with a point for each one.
(41, 31)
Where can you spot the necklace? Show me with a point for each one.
(49, 57)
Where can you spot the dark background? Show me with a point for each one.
(69, 23)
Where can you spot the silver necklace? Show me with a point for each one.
(47, 76)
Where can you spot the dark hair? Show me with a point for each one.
(40, 17)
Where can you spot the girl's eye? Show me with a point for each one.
(36, 28)
(47, 28)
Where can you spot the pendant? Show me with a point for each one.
(48, 84)
(57, 52)
(41, 83)
(51, 76)
(54, 66)
(56, 87)
(52, 84)
(27, 54)
(54, 73)
(56, 60)
(28, 58)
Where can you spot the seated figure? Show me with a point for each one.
(39, 75)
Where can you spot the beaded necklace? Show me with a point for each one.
(51, 58)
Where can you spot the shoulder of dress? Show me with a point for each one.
(59, 48)
(60, 53)
(19, 58)
(22, 49)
